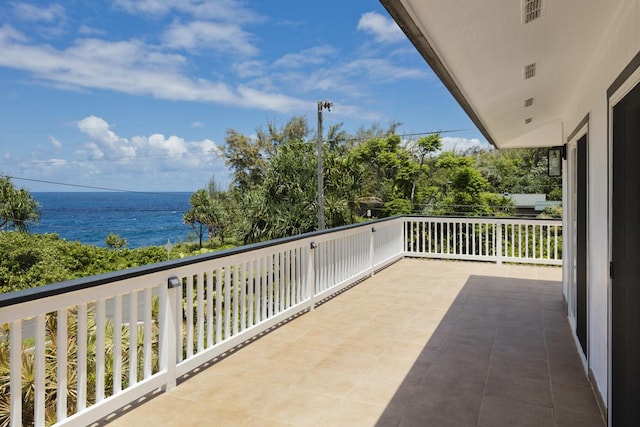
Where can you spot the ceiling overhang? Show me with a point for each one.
(481, 51)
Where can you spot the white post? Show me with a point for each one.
(61, 369)
(40, 354)
(15, 372)
(499, 243)
(311, 276)
(371, 252)
(168, 329)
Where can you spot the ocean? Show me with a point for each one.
(143, 219)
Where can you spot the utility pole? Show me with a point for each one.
(321, 106)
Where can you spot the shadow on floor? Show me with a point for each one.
(503, 355)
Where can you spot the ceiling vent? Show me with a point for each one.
(528, 102)
(531, 10)
(527, 121)
(529, 71)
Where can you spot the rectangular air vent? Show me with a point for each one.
(529, 71)
(531, 10)
(528, 102)
(527, 121)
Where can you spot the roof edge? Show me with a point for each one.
(401, 16)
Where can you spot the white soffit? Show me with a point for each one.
(484, 46)
(549, 134)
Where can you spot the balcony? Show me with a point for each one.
(345, 327)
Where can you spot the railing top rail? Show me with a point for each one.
(487, 218)
(16, 297)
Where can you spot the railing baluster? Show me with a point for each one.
(255, 273)
(133, 338)
(148, 338)
(519, 240)
(264, 290)
(243, 296)
(294, 274)
(39, 384)
(117, 344)
(276, 282)
(100, 347)
(287, 277)
(235, 298)
(81, 362)
(209, 299)
(533, 242)
(15, 372)
(200, 311)
(188, 307)
(227, 301)
(61, 368)
(219, 277)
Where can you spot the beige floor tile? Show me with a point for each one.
(375, 390)
(298, 408)
(328, 382)
(353, 414)
(422, 342)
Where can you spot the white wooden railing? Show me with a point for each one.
(480, 239)
(74, 339)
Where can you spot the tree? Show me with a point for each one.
(423, 147)
(289, 191)
(222, 210)
(388, 167)
(199, 217)
(17, 208)
(246, 158)
(115, 242)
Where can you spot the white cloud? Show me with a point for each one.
(383, 69)
(312, 56)
(55, 143)
(31, 13)
(223, 37)
(462, 144)
(228, 10)
(249, 69)
(89, 31)
(153, 162)
(130, 67)
(197, 124)
(383, 29)
(105, 144)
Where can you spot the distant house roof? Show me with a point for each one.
(526, 200)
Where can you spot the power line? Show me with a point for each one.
(90, 187)
(402, 135)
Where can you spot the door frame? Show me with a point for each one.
(582, 130)
(628, 79)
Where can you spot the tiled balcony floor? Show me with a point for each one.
(422, 343)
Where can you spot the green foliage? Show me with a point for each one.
(290, 191)
(201, 213)
(398, 207)
(40, 259)
(17, 208)
(114, 241)
(50, 368)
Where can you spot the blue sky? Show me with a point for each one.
(138, 94)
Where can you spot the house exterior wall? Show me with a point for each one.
(617, 48)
